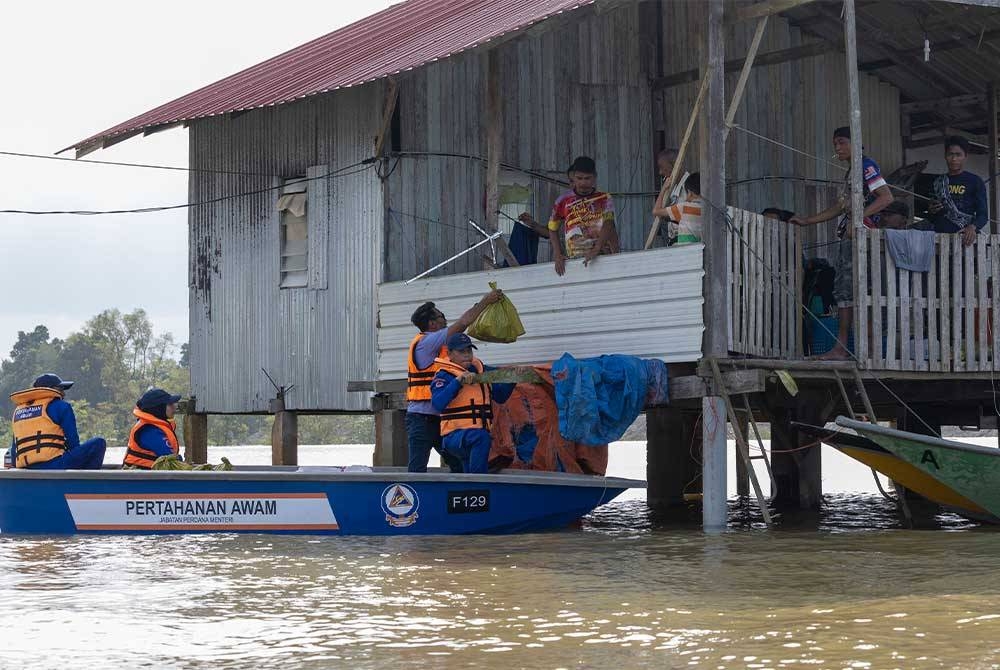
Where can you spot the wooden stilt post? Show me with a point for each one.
(671, 470)
(391, 444)
(716, 338)
(195, 436)
(796, 459)
(857, 190)
(742, 468)
(284, 434)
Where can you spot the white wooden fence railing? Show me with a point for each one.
(937, 321)
(764, 265)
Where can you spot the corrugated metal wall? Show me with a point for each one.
(646, 304)
(575, 85)
(799, 103)
(315, 338)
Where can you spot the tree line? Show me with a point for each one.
(114, 358)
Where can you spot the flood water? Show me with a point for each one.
(853, 588)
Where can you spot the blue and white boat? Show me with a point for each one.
(303, 500)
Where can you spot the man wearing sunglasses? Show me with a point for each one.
(423, 422)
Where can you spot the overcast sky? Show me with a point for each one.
(72, 69)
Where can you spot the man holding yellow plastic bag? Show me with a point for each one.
(423, 422)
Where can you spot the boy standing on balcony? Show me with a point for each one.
(877, 197)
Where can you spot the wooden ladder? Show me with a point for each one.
(742, 447)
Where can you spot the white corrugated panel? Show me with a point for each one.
(646, 304)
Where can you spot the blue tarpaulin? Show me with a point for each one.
(599, 398)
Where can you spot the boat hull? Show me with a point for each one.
(971, 471)
(301, 501)
(898, 470)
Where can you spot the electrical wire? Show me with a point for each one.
(149, 166)
(788, 147)
(340, 172)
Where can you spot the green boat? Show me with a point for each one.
(969, 470)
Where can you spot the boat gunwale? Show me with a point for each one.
(321, 474)
(863, 427)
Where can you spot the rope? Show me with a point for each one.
(788, 147)
(778, 143)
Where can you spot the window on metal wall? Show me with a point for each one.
(515, 198)
(293, 209)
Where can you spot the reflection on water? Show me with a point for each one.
(628, 589)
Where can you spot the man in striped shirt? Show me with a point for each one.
(876, 197)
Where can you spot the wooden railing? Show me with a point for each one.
(941, 320)
(764, 267)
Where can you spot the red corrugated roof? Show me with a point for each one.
(396, 39)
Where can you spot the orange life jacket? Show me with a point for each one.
(37, 438)
(418, 382)
(472, 407)
(135, 455)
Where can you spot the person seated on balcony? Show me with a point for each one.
(423, 423)
(685, 217)
(959, 204)
(896, 216)
(586, 214)
(466, 407)
(876, 198)
(776, 214)
(44, 428)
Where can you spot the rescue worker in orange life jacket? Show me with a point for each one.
(45, 434)
(466, 407)
(423, 425)
(154, 433)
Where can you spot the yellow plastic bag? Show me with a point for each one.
(499, 322)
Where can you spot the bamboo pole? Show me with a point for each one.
(681, 152)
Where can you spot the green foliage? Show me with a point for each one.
(114, 359)
(351, 429)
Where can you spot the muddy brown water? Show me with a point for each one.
(849, 588)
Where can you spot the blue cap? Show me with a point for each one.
(156, 398)
(52, 381)
(460, 342)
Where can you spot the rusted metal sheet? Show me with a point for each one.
(400, 38)
(646, 304)
(315, 337)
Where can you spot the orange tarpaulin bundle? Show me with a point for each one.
(534, 406)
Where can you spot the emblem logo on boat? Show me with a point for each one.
(400, 503)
